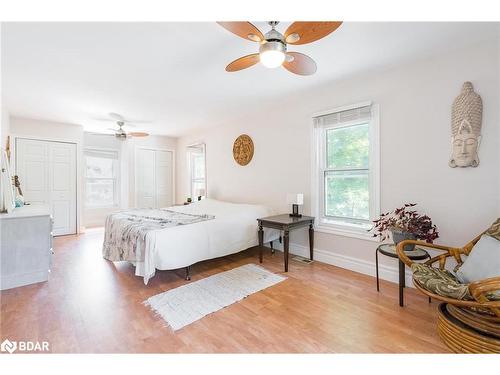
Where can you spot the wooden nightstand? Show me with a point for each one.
(286, 223)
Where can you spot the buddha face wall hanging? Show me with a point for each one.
(466, 121)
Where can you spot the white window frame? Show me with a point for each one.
(192, 179)
(318, 163)
(116, 178)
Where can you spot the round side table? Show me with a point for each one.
(390, 250)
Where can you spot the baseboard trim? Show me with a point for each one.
(353, 264)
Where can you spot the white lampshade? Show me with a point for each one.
(295, 198)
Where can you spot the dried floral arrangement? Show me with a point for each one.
(408, 220)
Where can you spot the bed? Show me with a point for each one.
(180, 236)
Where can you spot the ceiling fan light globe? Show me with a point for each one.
(272, 54)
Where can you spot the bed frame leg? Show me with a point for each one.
(188, 271)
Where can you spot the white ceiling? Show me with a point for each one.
(173, 73)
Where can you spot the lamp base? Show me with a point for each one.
(295, 211)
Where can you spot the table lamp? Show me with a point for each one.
(200, 193)
(295, 199)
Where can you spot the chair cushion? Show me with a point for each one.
(483, 261)
(440, 282)
(494, 230)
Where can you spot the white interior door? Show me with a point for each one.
(47, 172)
(145, 179)
(164, 173)
(154, 178)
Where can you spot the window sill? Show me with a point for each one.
(346, 231)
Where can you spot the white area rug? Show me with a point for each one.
(188, 303)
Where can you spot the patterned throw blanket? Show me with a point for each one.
(125, 236)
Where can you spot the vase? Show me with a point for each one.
(399, 235)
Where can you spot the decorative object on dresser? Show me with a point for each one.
(8, 204)
(7, 147)
(243, 149)
(285, 223)
(25, 246)
(405, 223)
(296, 200)
(17, 184)
(466, 122)
(469, 317)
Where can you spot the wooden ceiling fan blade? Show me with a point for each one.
(243, 62)
(116, 116)
(307, 32)
(246, 30)
(300, 64)
(137, 134)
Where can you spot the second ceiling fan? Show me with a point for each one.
(273, 45)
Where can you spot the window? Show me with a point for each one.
(197, 170)
(346, 171)
(101, 178)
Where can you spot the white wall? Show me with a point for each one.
(415, 114)
(4, 127)
(4, 132)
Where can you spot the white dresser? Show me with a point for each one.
(25, 246)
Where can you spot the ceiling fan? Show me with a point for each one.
(273, 45)
(120, 122)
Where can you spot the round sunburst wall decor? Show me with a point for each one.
(243, 149)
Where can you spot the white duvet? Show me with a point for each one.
(234, 229)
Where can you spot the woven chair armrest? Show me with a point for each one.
(478, 289)
(404, 258)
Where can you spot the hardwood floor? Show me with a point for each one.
(92, 305)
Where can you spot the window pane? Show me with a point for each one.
(348, 147)
(198, 166)
(99, 167)
(198, 188)
(346, 194)
(99, 193)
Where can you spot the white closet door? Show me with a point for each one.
(145, 179)
(62, 186)
(47, 171)
(154, 178)
(164, 172)
(32, 167)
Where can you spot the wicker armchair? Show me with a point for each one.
(470, 324)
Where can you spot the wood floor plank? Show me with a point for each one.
(92, 305)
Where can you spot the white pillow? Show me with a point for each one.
(483, 261)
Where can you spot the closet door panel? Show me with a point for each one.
(62, 186)
(32, 169)
(164, 188)
(145, 179)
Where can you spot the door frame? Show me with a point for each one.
(135, 169)
(79, 170)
